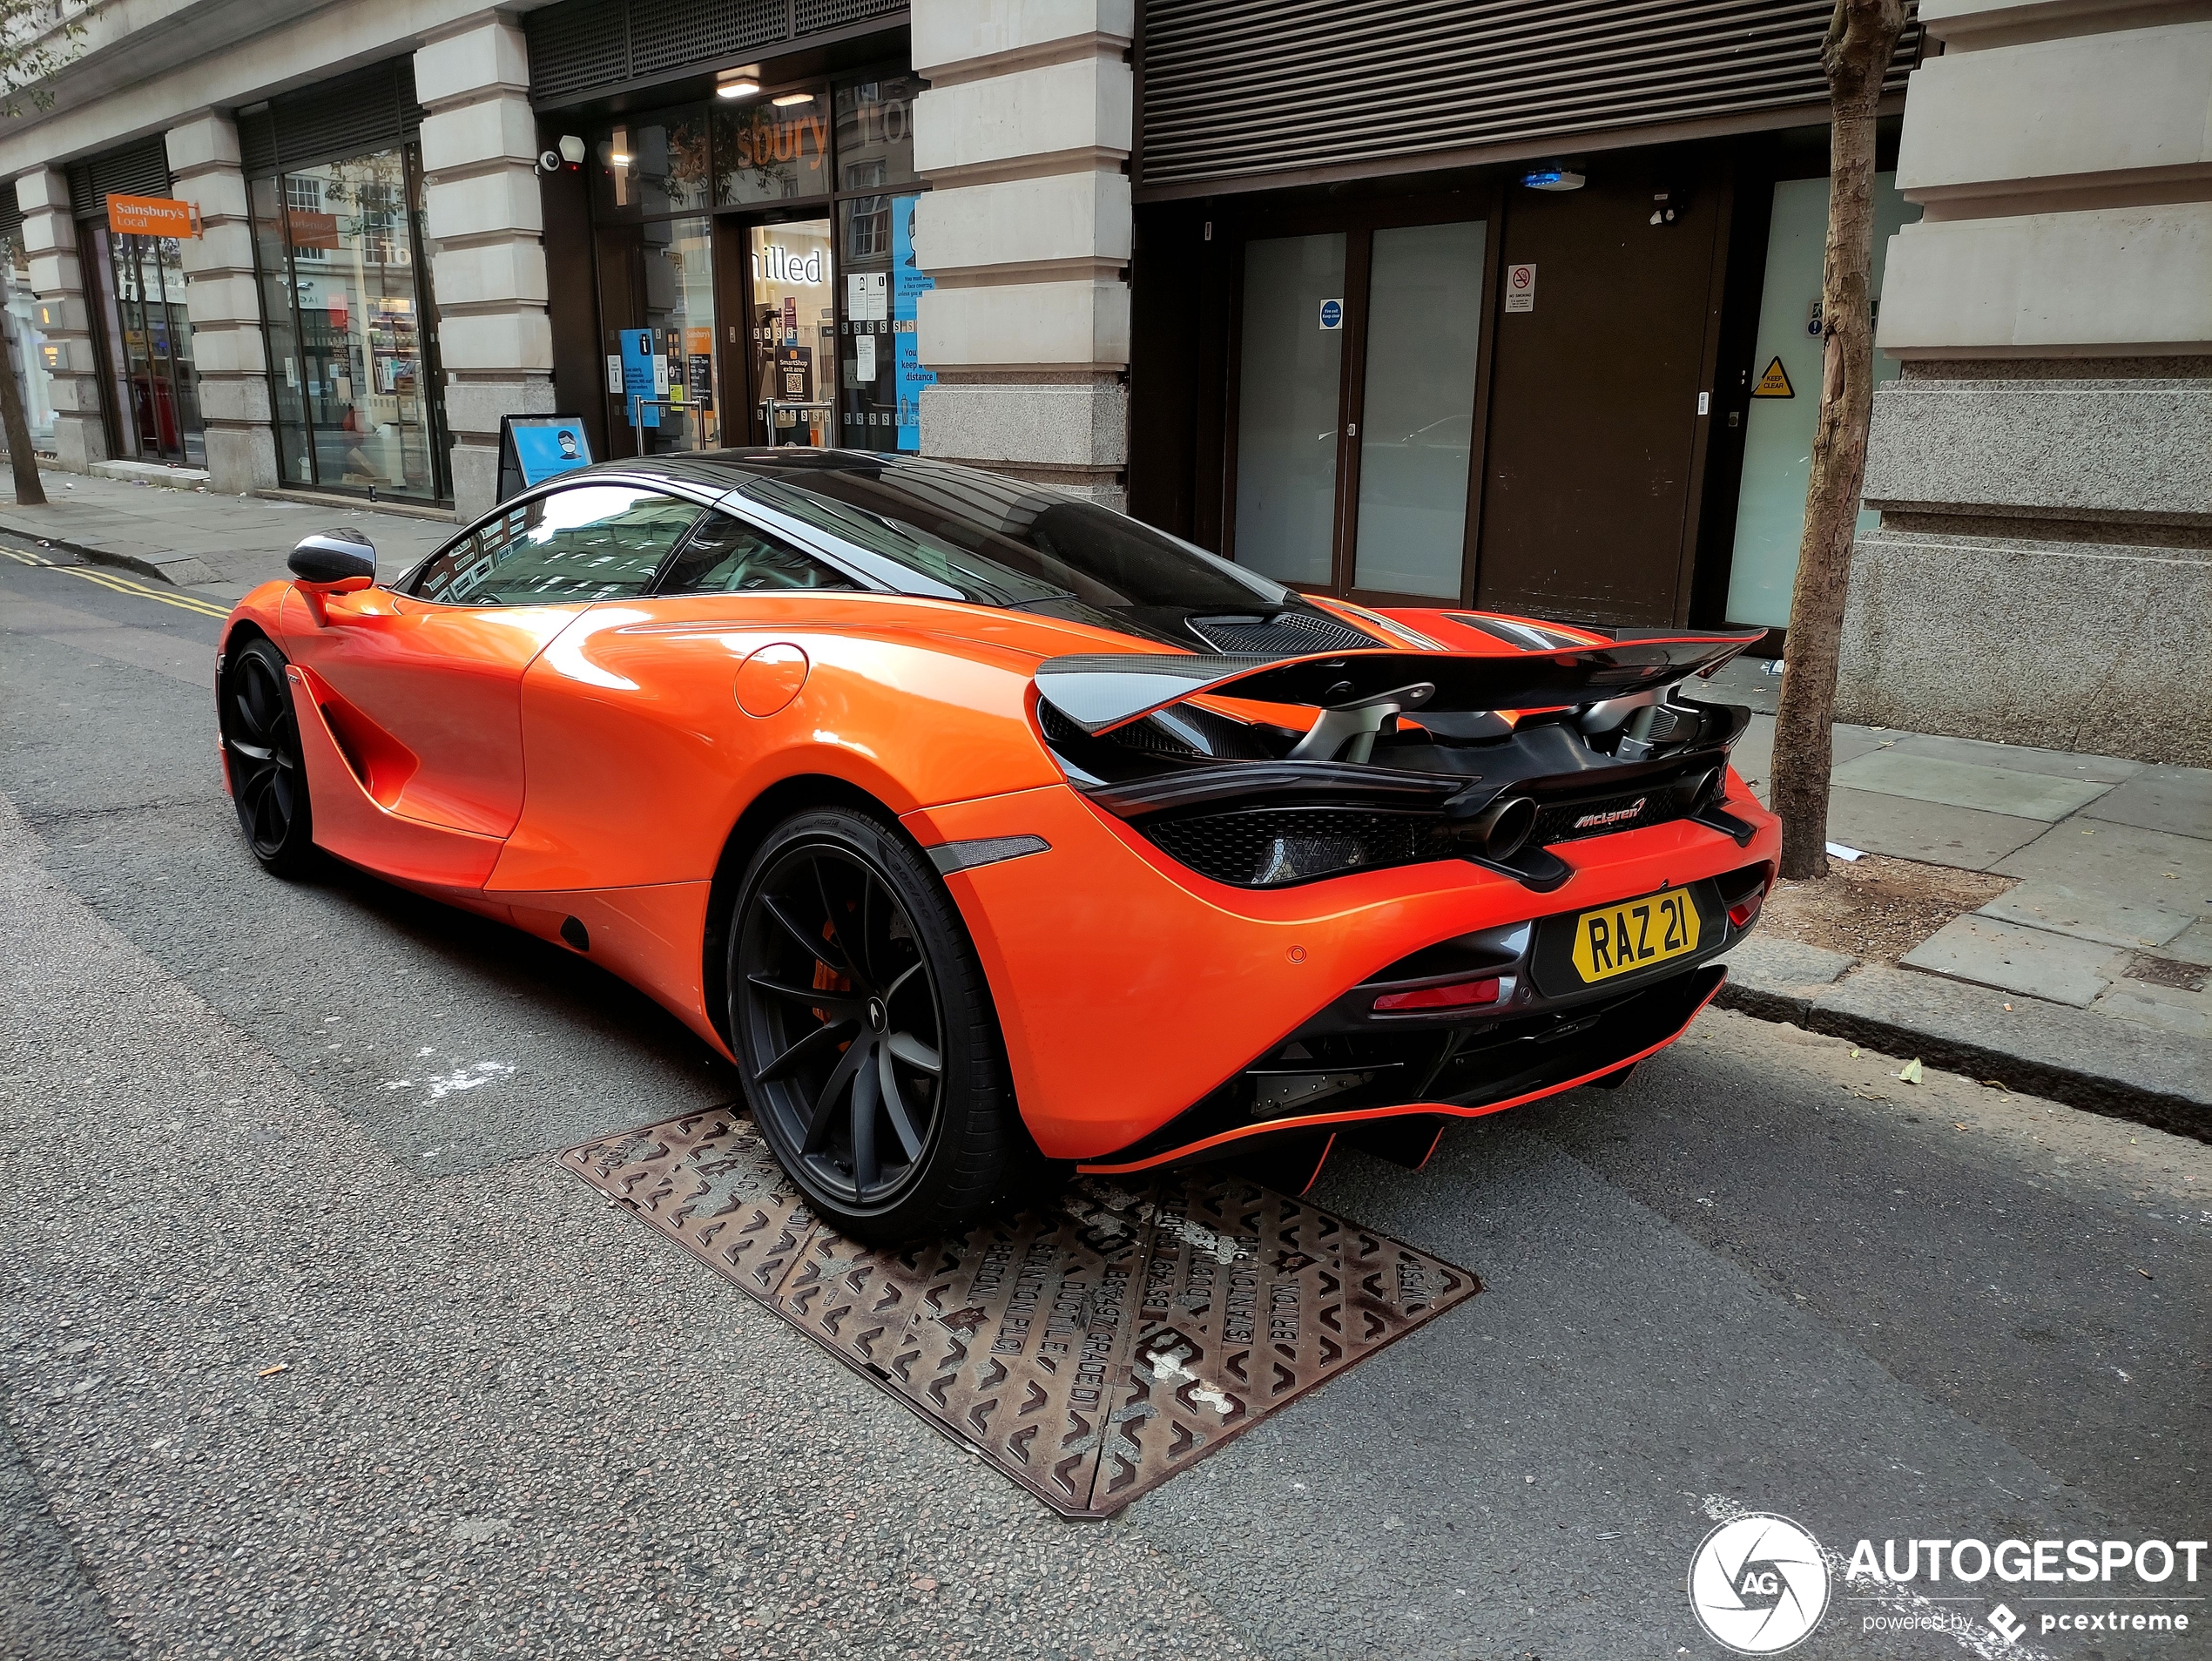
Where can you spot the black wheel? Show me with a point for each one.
(261, 749)
(866, 1029)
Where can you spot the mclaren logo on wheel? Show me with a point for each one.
(1758, 1584)
(1590, 821)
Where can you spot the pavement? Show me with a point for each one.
(2086, 980)
(218, 545)
(294, 1362)
(2107, 931)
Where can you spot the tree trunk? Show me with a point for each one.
(1862, 36)
(13, 351)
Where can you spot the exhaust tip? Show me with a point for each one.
(1501, 829)
(576, 933)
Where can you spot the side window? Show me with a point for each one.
(729, 556)
(590, 541)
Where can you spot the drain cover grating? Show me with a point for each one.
(1089, 1349)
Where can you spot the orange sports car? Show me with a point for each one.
(974, 821)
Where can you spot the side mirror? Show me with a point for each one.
(338, 560)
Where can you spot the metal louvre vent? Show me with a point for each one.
(1272, 847)
(371, 109)
(1289, 634)
(581, 47)
(1266, 86)
(1569, 821)
(141, 169)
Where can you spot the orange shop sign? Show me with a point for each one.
(150, 216)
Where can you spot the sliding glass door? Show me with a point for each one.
(1357, 410)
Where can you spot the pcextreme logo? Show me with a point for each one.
(1758, 1584)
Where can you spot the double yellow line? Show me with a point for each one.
(108, 579)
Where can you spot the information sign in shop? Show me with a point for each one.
(1332, 314)
(641, 368)
(909, 282)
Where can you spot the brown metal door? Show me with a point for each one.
(1594, 436)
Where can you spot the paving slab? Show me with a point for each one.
(2012, 791)
(2021, 758)
(2178, 799)
(2169, 1009)
(2073, 1056)
(1754, 754)
(2128, 863)
(2192, 945)
(1906, 829)
(2058, 968)
(2041, 903)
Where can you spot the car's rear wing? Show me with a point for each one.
(1102, 691)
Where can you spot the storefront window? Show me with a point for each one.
(679, 309)
(875, 133)
(773, 151)
(147, 343)
(352, 344)
(652, 164)
(881, 373)
(37, 357)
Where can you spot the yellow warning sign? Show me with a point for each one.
(1774, 383)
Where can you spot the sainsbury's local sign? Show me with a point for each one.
(150, 216)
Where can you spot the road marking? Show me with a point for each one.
(122, 585)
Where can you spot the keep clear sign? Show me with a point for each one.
(1520, 288)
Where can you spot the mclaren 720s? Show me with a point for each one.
(975, 822)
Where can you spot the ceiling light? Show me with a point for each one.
(789, 99)
(1551, 176)
(740, 88)
(619, 159)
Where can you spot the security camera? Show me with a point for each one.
(548, 161)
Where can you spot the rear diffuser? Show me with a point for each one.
(1089, 1347)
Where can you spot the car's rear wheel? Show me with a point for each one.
(261, 748)
(865, 1027)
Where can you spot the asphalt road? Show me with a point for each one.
(1765, 1275)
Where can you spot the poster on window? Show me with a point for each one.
(909, 282)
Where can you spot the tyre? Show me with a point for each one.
(866, 1031)
(261, 750)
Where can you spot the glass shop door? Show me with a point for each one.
(791, 336)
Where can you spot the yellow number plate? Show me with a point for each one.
(1615, 939)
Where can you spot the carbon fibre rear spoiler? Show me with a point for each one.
(1101, 691)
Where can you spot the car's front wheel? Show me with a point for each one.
(863, 1023)
(261, 749)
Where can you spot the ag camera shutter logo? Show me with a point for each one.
(1758, 1584)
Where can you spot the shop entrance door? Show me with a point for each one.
(153, 393)
(1358, 415)
(785, 288)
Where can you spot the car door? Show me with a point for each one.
(428, 683)
(637, 724)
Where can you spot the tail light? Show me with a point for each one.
(1459, 994)
(1740, 913)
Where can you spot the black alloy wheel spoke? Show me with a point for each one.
(864, 1170)
(819, 1123)
(841, 1007)
(894, 1105)
(812, 946)
(917, 1055)
(852, 964)
(803, 1049)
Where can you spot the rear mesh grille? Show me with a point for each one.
(1569, 821)
(1288, 635)
(1271, 847)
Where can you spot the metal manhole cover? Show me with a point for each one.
(1091, 1347)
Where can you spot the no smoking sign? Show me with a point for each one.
(1520, 288)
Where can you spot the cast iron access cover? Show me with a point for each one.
(1091, 1347)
